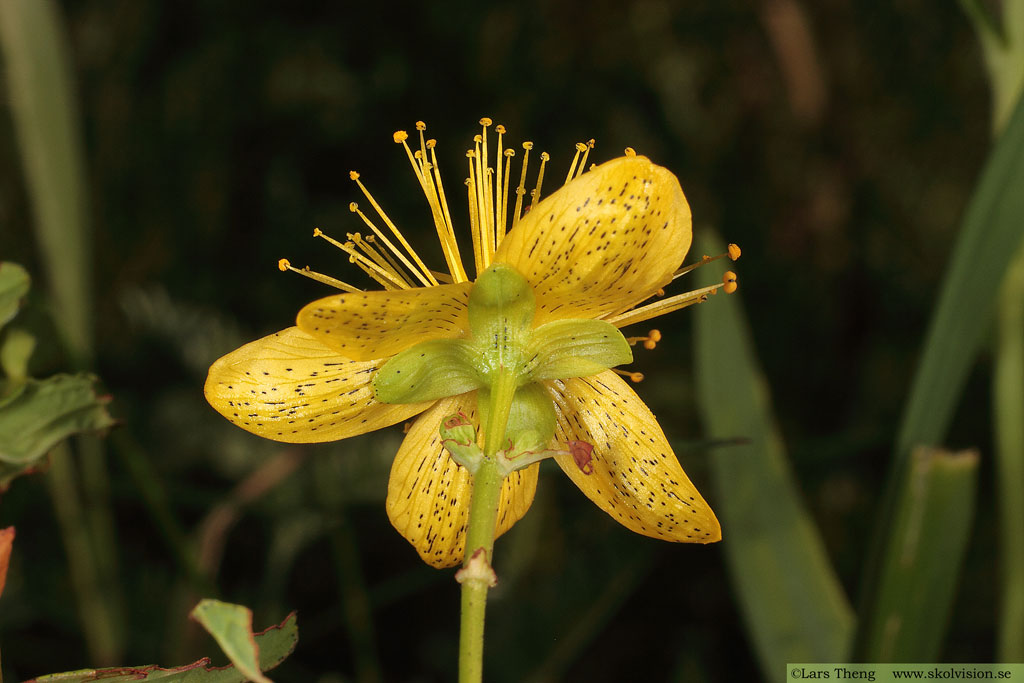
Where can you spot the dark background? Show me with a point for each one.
(835, 141)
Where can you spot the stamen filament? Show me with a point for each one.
(474, 214)
(521, 189)
(419, 273)
(354, 208)
(535, 195)
(362, 261)
(673, 303)
(420, 167)
(458, 270)
(503, 222)
(284, 265)
(583, 162)
(635, 377)
(378, 257)
(733, 252)
(580, 147)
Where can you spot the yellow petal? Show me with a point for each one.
(290, 387)
(429, 493)
(636, 477)
(368, 325)
(602, 243)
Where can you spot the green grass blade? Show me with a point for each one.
(1008, 406)
(989, 236)
(927, 541)
(45, 114)
(792, 601)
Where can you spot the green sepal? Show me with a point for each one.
(428, 371)
(531, 420)
(574, 348)
(14, 284)
(458, 436)
(501, 309)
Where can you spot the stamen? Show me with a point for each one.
(354, 208)
(521, 190)
(629, 152)
(457, 269)
(366, 264)
(474, 214)
(650, 341)
(673, 303)
(732, 252)
(580, 148)
(583, 162)
(634, 377)
(418, 272)
(503, 221)
(442, 221)
(284, 265)
(377, 257)
(535, 195)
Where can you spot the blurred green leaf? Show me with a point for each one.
(43, 413)
(990, 235)
(274, 644)
(45, 114)
(928, 538)
(791, 599)
(14, 284)
(231, 626)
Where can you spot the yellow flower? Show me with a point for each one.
(610, 239)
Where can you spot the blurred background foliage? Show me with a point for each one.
(837, 142)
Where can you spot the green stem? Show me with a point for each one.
(483, 516)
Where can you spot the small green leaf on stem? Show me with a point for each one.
(231, 626)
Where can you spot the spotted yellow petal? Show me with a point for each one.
(378, 324)
(602, 243)
(291, 387)
(636, 477)
(429, 493)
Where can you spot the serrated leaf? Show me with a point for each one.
(275, 644)
(14, 284)
(231, 626)
(41, 415)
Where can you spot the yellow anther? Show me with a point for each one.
(544, 156)
(283, 265)
(317, 232)
(420, 125)
(650, 341)
(527, 145)
(353, 175)
(660, 292)
(509, 152)
(500, 129)
(734, 251)
(417, 154)
(431, 143)
(470, 154)
(591, 143)
(729, 284)
(478, 139)
(635, 377)
(353, 207)
(400, 136)
(485, 122)
(581, 147)
(630, 152)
